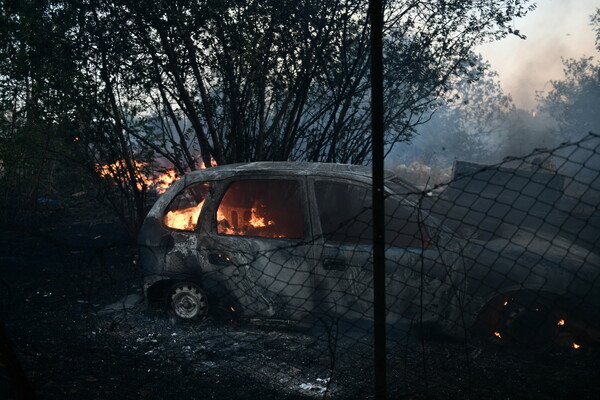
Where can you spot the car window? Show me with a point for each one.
(184, 210)
(262, 207)
(345, 213)
(402, 227)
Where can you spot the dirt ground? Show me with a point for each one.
(72, 307)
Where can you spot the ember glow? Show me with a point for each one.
(498, 335)
(561, 322)
(575, 345)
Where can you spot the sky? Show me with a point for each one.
(555, 29)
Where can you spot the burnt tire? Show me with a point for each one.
(534, 326)
(188, 301)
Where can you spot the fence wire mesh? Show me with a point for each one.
(258, 282)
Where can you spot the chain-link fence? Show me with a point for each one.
(259, 282)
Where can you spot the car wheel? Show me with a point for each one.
(188, 301)
(534, 326)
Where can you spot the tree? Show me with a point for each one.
(278, 80)
(468, 126)
(231, 80)
(574, 101)
(34, 111)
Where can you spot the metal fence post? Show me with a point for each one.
(376, 15)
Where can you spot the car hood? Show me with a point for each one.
(542, 247)
(517, 259)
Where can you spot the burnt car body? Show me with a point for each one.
(293, 241)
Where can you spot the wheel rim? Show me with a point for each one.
(533, 326)
(188, 301)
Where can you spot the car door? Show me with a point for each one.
(259, 237)
(417, 272)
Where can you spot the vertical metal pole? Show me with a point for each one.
(376, 14)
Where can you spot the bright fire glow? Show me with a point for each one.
(223, 228)
(498, 335)
(236, 221)
(258, 222)
(159, 182)
(162, 182)
(118, 171)
(185, 219)
(561, 322)
(575, 345)
(505, 303)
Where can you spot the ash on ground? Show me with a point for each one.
(71, 303)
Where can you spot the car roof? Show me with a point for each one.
(287, 167)
(290, 168)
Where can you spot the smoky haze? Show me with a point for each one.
(485, 123)
(556, 29)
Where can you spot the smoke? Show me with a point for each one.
(556, 29)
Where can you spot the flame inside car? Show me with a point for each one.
(253, 208)
(269, 209)
(184, 219)
(234, 220)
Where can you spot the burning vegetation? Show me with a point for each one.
(156, 181)
(145, 176)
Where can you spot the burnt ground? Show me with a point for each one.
(70, 302)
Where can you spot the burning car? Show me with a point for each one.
(293, 241)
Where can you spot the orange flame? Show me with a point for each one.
(185, 218)
(258, 222)
(162, 182)
(561, 322)
(213, 163)
(498, 335)
(158, 182)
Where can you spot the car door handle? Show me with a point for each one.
(334, 264)
(219, 259)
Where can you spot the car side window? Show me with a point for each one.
(345, 212)
(402, 227)
(184, 210)
(269, 208)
